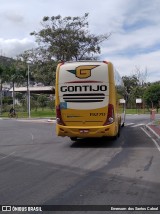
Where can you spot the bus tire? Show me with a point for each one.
(119, 131)
(73, 138)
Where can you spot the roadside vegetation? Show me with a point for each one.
(46, 113)
(137, 88)
(50, 113)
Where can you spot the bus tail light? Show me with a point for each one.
(110, 115)
(59, 116)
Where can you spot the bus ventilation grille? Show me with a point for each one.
(84, 98)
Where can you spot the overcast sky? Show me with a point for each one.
(134, 24)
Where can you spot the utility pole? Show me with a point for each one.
(28, 92)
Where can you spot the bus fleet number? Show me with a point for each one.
(98, 114)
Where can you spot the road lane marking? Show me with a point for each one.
(141, 124)
(27, 162)
(32, 136)
(155, 142)
(133, 125)
(158, 147)
(7, 156)
(146, 132)
(129, 124)
(153, 131)
(38, 121)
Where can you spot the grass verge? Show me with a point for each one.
(39, 113)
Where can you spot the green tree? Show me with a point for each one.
(42, 69)
(67, 38)
(7, 100)
(61, 39)
(131, 84)
(16, 75)
(135, 86)
(152, 96)
(44, 72)
(3, 78)
(34, 101)
(42, 101)
(1, 73)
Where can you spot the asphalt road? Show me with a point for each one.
(37, 167)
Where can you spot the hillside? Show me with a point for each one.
(5, 60)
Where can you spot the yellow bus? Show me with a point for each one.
(89, 100)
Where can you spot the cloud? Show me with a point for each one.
(13, 47)
(133, 43)
(136, 41)
(13, 17)
(149, 62)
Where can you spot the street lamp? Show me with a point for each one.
(28, 91)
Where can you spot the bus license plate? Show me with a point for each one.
(83, 131)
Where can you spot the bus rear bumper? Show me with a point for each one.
(84, 132)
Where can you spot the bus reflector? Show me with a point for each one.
(59, 116)
(110, 115)
(61, 63)
(105, 62)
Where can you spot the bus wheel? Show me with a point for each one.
(119, 130)
(118, 133)
(73, 138)
(122, 124)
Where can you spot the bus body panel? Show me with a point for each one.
(84, 92)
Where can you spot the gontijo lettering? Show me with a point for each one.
(82, 88)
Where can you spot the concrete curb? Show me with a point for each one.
(40, 120)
